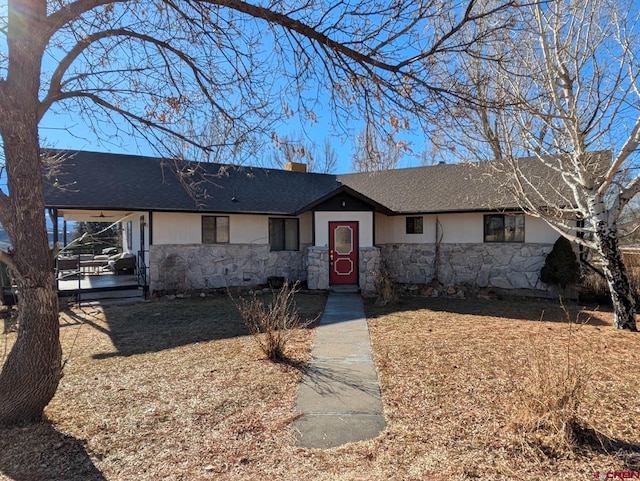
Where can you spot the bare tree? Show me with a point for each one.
(567, 84)
(288, 149)
(329, 159)
(375, 150)
(158, 69)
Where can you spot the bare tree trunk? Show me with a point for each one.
(32, 370)
(622, 296)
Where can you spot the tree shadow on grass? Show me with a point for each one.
(38, 452)
(520, 309)
(156, 326)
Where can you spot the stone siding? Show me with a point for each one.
(369, 268)
(181, 268)
(317, 267)
(499, 265)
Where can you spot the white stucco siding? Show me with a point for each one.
(248, 229)
(186, 228)
(538, 231)
(365, 226)
(176, 228)
(463, 228)
(306, 228)
(454, 229)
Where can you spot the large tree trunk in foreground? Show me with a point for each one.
(622, 296)
(32, 370)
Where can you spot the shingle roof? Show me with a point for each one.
(92, 180)
(468, 186)
(436, 188)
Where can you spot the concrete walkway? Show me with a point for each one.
(339, 395)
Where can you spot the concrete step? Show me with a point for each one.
(345, 289)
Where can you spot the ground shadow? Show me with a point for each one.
(157, 326)
(520, 309)
(160, 325)
(592, 441)
(331, 378)
(39, 452)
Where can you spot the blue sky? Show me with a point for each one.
(67, 131)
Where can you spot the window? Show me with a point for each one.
(283, 234)
(414, 225)
(215, 229)
(504, 228)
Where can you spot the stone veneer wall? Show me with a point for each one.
(180, 267)
(369, 267)
(317, 267)
(499, 265)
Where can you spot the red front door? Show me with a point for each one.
(343, 252)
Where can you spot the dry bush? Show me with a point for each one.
(632, 263)
(593, 287)
(272, 325)
(547, 411)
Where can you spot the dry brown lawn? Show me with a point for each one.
(177, 390)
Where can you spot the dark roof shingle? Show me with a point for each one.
(92, 180)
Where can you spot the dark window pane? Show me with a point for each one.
(215, 229)
(276, 234)
(414, 225)
(222, 229)
(504, 228)
(291, 234)
(208, 229)
(283, 234)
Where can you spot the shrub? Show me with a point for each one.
(561, 267)
(271, 325)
